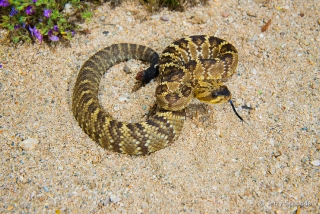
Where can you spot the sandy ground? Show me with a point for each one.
(218, 165)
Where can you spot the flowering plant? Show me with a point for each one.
(40, 20)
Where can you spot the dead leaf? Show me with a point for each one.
(266, 26)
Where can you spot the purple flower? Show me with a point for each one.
(51, 36)
(4, 3)
(72, 32)
(13, 11)
(54, 38)
(36, 33)
(30, 10)
(17, 26)
(31, 30)
(34, 1)
(55, 28)
(47, 13)
(0, 66)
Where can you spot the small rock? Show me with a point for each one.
(277, 165)
(277, 153)
(9, 208)
(164, 18)
(253, 71)
(122, 99)
(105, 32)
(102, 18)
(239, 101)
(116, 107)
(69, 10)
(283, 158)
(126, 69)
(211, 13)
(315, 162)
(115, 198)
(46, 189)
(29, 144)
(106, 201)
(254, 38)
(225, 14)
(95, 159)
(271, 142)
(252, 13)
(272, 170)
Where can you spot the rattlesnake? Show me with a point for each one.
(194, 66)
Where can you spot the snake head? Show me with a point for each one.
(220, 95)
(212, 93)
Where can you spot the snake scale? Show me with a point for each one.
(192, 67)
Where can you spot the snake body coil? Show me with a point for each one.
(194, 66)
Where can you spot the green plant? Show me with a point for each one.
(180, 5)
(40, 19)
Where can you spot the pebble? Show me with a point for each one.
(272, 170)
(29, 144)
(123, 98)
(116, 107)
(95, 159)
(253, 71)
(230, 19)
(277, 165)
(102, 18)
(106, 201)
(199, 18)
(46, 189)
(277, 153)
(115, 198)
(68, 9)
(164, 18)
(105, 32)
(254, 38)
(239, 101)
(271, 142)
(315, 162)
(283, 158)
(126, 69)
(225, 14)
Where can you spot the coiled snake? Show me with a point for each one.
(194, 66)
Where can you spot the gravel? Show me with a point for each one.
(218, 165)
